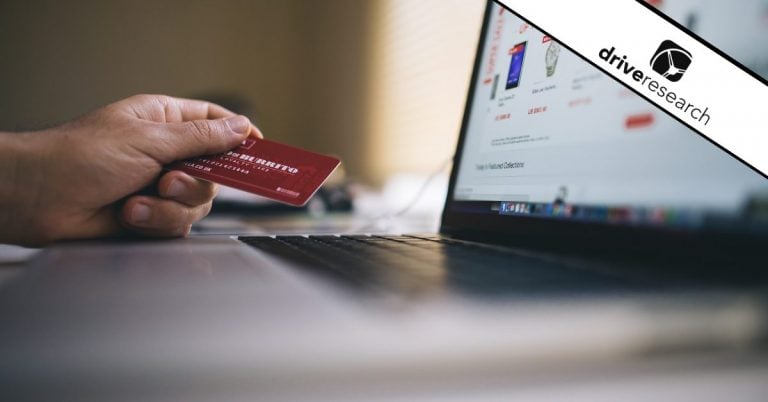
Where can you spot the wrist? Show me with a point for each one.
(19, 182)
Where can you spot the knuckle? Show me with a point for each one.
(209, 191)
(206, 209)
(173, 216)
(143, 98)
(202, 129)
(186, 216)
(170, 220)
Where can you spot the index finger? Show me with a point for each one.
(192, 109)
(179, 110)
(167, 109)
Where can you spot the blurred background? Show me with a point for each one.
(375, 82)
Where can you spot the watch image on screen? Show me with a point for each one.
(550, 60)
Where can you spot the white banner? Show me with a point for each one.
(665, 65)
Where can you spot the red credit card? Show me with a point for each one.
(266, 168)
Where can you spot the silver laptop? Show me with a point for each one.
(583, 227)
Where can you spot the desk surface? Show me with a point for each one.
(710, 375)
(13, 259)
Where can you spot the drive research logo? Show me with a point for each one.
(671, 60)
(672, 69)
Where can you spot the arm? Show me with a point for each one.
(16, 155)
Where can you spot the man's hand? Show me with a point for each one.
(81, 180)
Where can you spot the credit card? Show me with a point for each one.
(276, 171)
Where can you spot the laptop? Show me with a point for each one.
(555, 156)
(582, 228)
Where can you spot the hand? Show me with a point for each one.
(80, 180)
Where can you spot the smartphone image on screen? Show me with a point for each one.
(515, 65)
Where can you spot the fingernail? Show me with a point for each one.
(176, 188)
(239, 124)
(140, 213)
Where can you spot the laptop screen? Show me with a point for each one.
(549, 136)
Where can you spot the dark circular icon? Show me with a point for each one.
(671, 60)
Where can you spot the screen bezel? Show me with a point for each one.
(569, 235)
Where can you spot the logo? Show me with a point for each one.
(671, 60)
(666, 62)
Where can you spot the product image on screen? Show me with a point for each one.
(517, 54)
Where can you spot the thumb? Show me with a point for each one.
(200, 137)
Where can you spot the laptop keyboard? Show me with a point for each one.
(430, 263)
